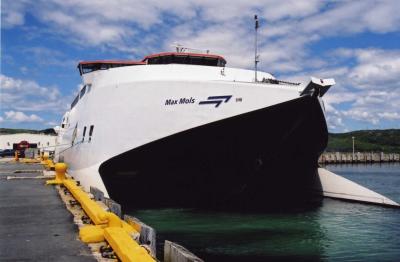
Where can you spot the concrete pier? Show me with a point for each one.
(40, 223)
(34, 223)
(358, 157)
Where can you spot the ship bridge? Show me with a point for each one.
(90, 66)
(155, 59)
(185, 58)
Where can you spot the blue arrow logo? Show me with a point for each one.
(215, 100)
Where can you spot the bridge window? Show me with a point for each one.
(176, 58)
(87, 67)
(75, 101)
(82, 92)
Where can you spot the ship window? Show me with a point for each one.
(155, 60)
(75, 101)
(89, 87)
(221, 62)
(91, 132)
(195, 60)
(90, 67)
(210, 61)
(83, 91)
(187, 59)
(168, 60)
(84, 133)
(179, 60)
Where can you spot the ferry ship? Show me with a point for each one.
(181, 129)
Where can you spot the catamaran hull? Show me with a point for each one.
(264, 158)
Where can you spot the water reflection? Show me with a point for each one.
(241, 237)
(335, 230)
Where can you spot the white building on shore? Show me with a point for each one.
(43, 142)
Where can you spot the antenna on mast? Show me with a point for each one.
(182, 49)
(256, 57)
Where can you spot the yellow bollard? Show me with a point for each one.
(60, 169)
(16, 156)
(50, 164)
(45, 157)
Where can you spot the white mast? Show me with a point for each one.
(256, 58)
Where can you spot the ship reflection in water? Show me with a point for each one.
(334, 231)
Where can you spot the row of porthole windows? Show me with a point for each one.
(90, 133)
(75, 134)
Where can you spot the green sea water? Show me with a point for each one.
(333, 231)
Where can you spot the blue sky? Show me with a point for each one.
(355, 42)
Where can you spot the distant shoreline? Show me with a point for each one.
(12, 131)
(366, 141)
(387, 141)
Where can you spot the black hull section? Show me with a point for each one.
(256, 160)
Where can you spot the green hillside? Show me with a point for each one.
(387, 141)
(8, 131)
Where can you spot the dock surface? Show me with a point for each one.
(34, 223)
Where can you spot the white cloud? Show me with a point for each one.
(46, 57)
(371, 106)
(334, 119)
(368, 91)
(362, 115)
(370, 98)
(13, 12)
(27, 95)
(17, 116)
(277, 10)
(339, 97)
(353, 17)
(376, 69)
(383, 17)
(389, 115)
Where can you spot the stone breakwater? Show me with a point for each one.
(358, 157)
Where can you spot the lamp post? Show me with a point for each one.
(353, 146)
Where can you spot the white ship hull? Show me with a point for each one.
(195, 131)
